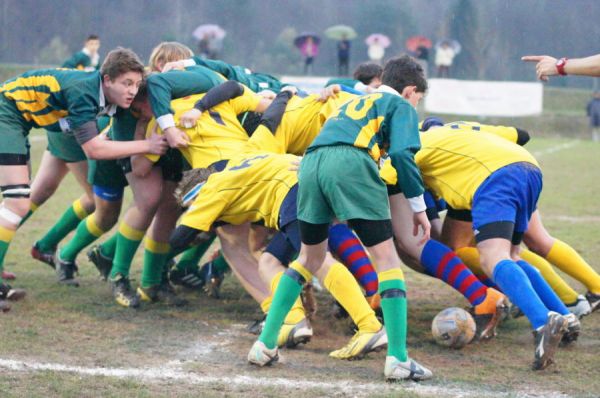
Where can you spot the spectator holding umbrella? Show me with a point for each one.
(343, 34)
(210, 40)
(377, 43)
(419, 46)
(308, 43)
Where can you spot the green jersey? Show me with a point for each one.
(254, 81)
(381, 122)
(59, 100)
(82, 60)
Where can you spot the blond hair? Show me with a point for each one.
(168, 51)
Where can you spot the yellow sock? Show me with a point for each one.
(342, 285)
(566, 294)
(470, 256)
(570, 262)
(297, 312)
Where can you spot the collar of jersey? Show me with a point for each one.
(387, 89)
(111, 109)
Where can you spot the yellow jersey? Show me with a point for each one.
(251, 188)
(300, 124)
(217, 135)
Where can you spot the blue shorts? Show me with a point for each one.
(433, 206)
(110, 194)
(505, 201)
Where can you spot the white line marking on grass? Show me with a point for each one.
(172, 371)
(555, 148)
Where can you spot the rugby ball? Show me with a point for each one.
(453, 327)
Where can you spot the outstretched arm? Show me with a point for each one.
(546, 66)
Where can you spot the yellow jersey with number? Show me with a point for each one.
(217, 135)
(251, 188)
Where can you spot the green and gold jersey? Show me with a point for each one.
(57, 99)
(82, 61)
(255, 81)
(379, 122)
(251, 188)
(218, 134)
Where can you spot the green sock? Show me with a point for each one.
(288, 290)
(32, 208)
(69, 220)
(393, 304)
(155, 255)
(191, 257)
(128, 240)
(109, 246)
(220, 264)
(6, 236)
(87, 231)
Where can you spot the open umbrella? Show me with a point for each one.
(379, 39)
(414, 42)
(209, 31)
(455, 45)
(302, 37)
(340, 32)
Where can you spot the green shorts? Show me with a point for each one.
(106, 173)
(65, 147)
(340, 182)
(13, 134)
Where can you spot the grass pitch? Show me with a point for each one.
(77, 342)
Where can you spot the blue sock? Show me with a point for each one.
(516, 285)
(441, 262)
(541, 287)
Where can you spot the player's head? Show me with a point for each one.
(122, 73)
(140, 106)
(92, 43)
(191, 182)
(406, 76)
(168, 51)
(368, 73)
(430, 122)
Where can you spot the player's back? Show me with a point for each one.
(454, 162)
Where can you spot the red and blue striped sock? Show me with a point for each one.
(441, 262)
(348, 248)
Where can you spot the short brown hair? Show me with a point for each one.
(403, 71)
(168, 51)
(119, 61)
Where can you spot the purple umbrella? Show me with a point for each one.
(301, 39)
(378, 38)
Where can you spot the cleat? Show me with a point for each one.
(486, 323)
(121, 288)
(256, 326)
(361, 344)
(66, 270)
(581, 307)
(45, 257)
(189, 279)
(260, 355)
(594, 300)
(213, 278)
(103, 264)
(547, 339)
(396, 370)
(7, 293)
(9, 276)
(573, 330)
(291, 335)
(163, 292)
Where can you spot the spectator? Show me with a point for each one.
(343, 48)
(444, 56)
(593, 111)
(310, 50)
(376, 51)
